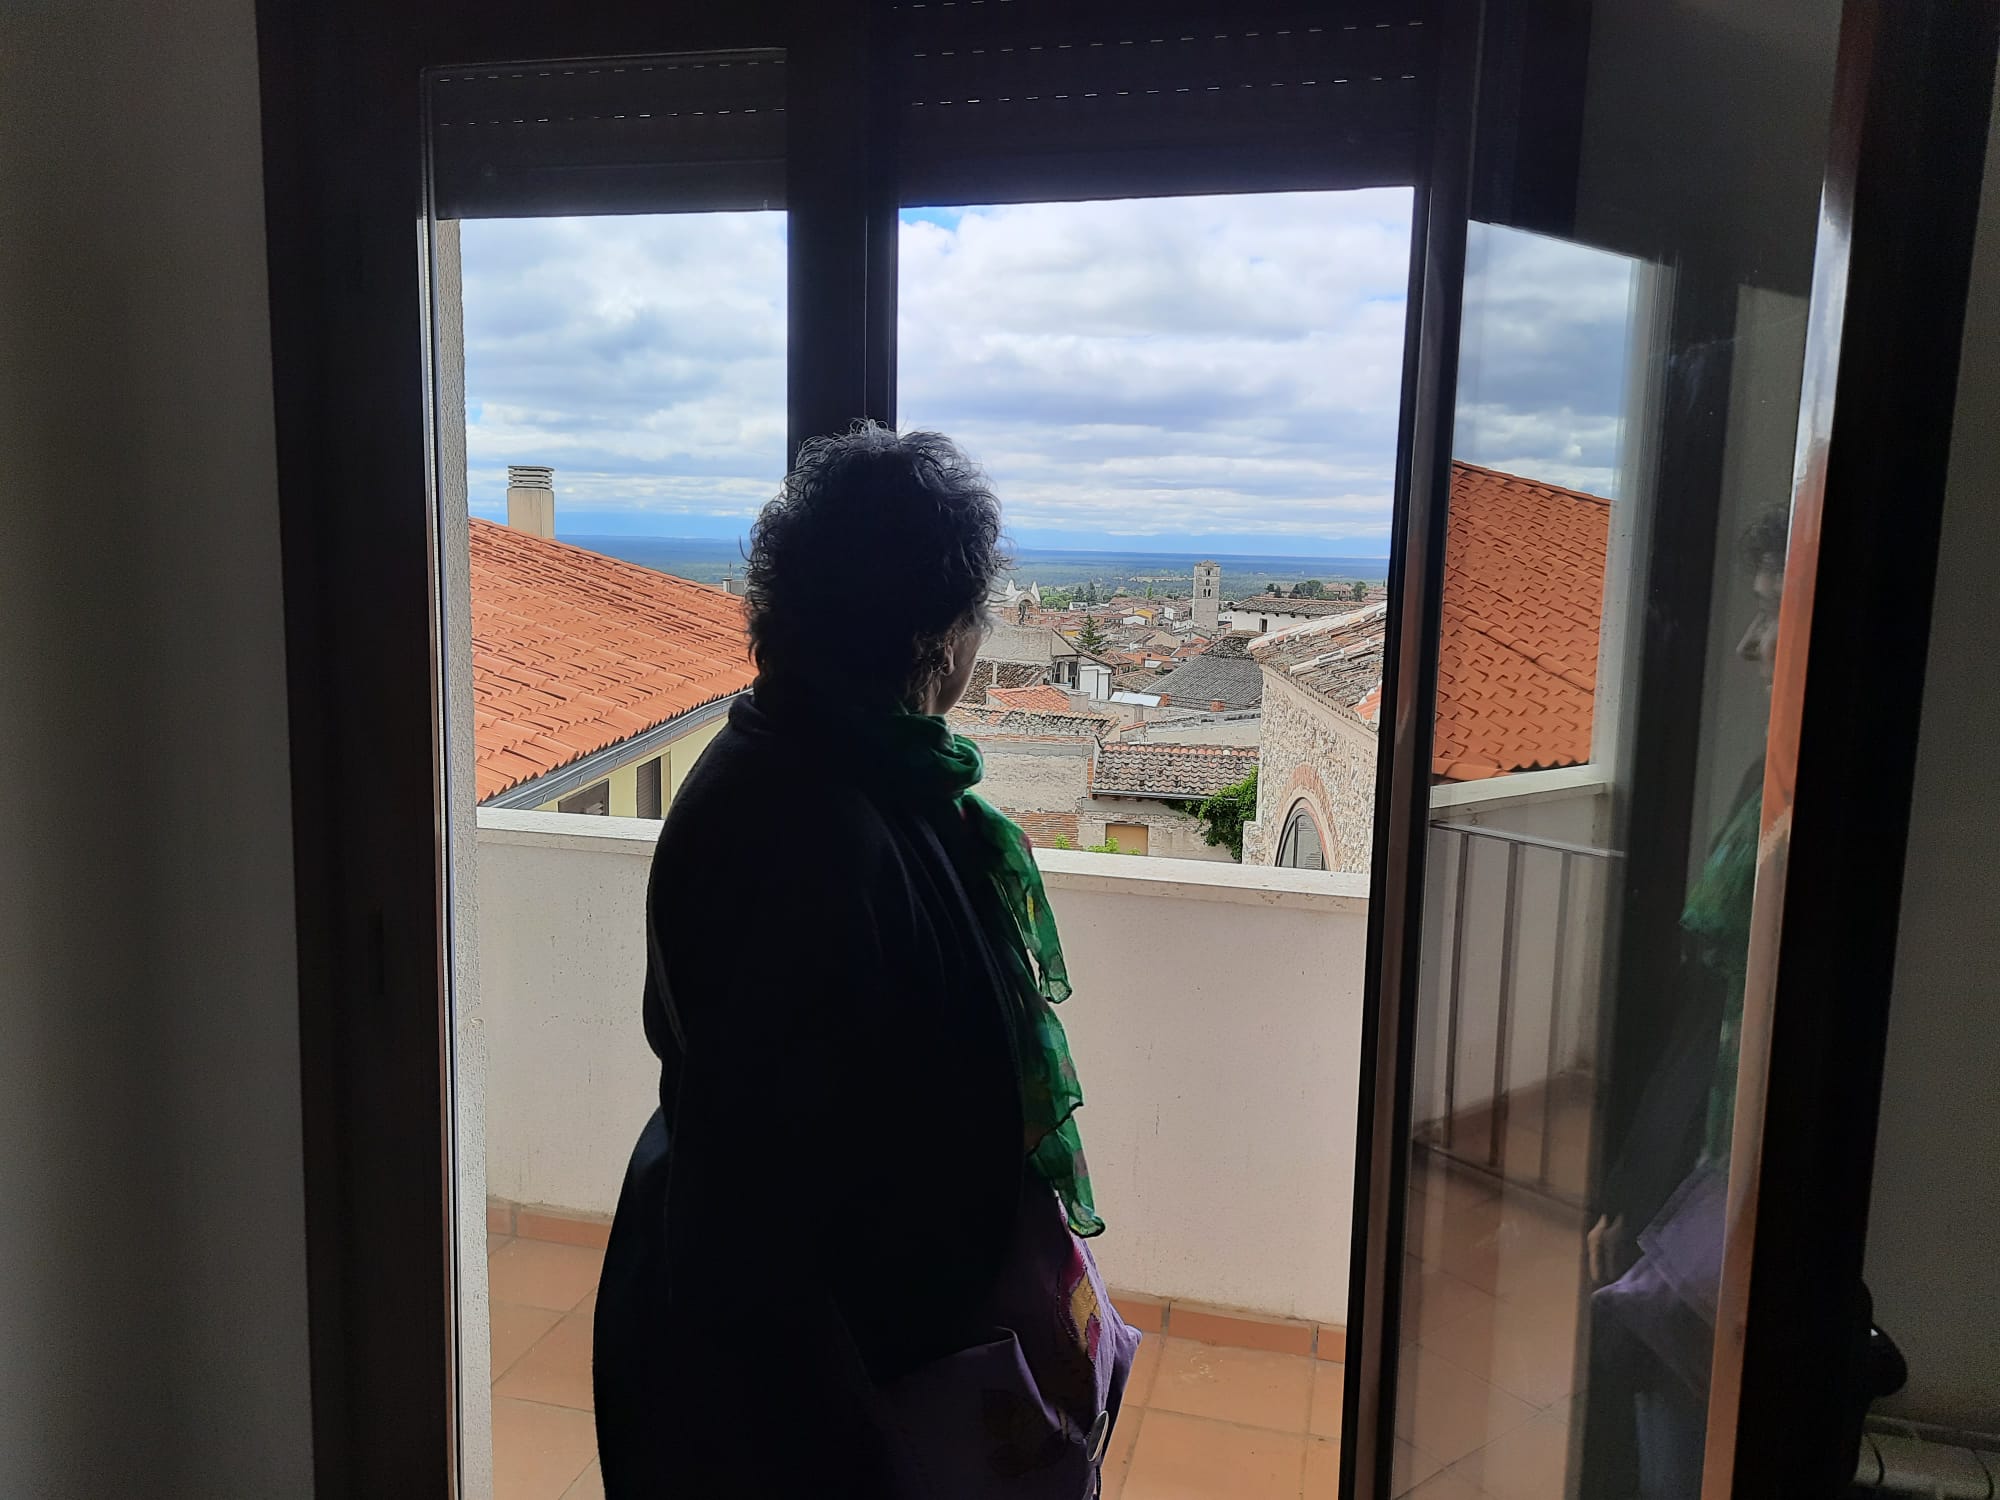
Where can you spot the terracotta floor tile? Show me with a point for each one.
(1448, 1486)
(536, 1273)
(1145, 1369)
(1188, 1458)
(1448, 1412)
(1434, 1298)
(495, 1241)
(1528, 1349)
(1147, 1314)
(589, 1485)
(539, 1451)
(514, 1329)
(1118, 1457)
(1328, 1384)
(1506, 1248)
(1250, 1386)
(1322, 1469)
(556, 1370)
(1410, 1467)
(1529, 1463)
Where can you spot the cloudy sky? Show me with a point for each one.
(1195, 374)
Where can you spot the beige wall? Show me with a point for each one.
(153, 1336)
(1560, 990)
(1035, 777)
(1932, 1259)
(676, 760)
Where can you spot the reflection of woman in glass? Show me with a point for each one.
(1654, 1318)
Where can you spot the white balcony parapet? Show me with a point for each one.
(1216, 1025)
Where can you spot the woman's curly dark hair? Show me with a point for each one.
(879, 546)
(1761, 547)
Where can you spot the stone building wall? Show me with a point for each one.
(1313, 752)
(1171, 831)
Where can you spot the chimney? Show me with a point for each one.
(531, 499)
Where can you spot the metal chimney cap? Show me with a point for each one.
(530, 477)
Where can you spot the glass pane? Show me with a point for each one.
(624, 418)
(1188, 408)
(1625, 410)
(608, 285)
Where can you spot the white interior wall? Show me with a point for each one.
(152, 1251)
(1933, 1260)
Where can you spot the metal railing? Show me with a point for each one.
(1440, 1135)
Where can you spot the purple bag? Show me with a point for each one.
(1028, 1414)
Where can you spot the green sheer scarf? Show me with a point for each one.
(1717, 916)
(928, 761)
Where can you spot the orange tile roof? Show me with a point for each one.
(573, 651)
(1523, 600)
(1044, 697)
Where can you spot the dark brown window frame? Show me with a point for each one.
(345, 199)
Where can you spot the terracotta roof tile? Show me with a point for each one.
(1517, 661)
(1044, 698)
(980, 720)
(1310, 609)
(1170, 770)
(573, 651)
(1223, 673)
(1523, 605)
(1338, 660)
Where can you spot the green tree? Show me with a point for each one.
(1224, 814)
(1312, 588)
(1357, 591)
(1149, 591)
(1090, 593)
(1055, 598)
(1109, 846)
(1090, 638)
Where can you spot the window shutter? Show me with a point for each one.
(1009, 100)
(681, 133)
(649, 788)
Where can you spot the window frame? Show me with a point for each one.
(1301, 810)
(343, 94)
(345, 189)
(589, 792)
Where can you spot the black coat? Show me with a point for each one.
(824, 1196)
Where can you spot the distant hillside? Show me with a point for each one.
(705, 560)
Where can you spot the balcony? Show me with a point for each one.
(1216, 1023)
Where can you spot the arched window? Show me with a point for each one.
(1299, 848)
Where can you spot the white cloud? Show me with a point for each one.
(1168, 368)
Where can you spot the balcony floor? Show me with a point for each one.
(1494, 1294)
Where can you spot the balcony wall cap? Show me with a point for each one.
(1063, 869)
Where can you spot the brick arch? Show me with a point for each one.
(1306, 779)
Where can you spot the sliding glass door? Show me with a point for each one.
(1635, 283)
